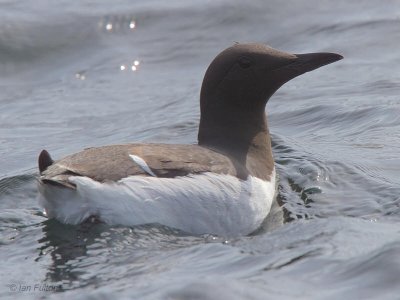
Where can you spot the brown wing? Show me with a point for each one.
(111, 163)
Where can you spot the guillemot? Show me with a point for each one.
(224, 185)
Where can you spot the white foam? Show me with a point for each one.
(203, 203)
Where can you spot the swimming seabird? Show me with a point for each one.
(224, 185)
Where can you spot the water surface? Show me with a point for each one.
(67, 83)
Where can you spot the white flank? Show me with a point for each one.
(203, 203)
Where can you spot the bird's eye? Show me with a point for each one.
(244, 62)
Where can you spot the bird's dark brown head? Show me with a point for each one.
(238, 84)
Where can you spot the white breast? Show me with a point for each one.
(203, 203)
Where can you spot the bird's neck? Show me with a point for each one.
(241, 134)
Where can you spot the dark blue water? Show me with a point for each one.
(67, 83)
